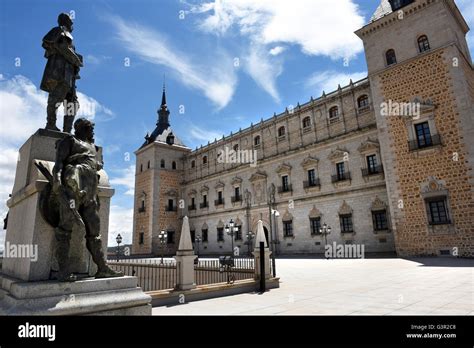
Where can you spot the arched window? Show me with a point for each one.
(256, 140)
(306, 122)
(390, 57)
(204, 160)
(423, 43)
(363, 101)
(236, 147)
(193, 163)
(162, 163)
(334, 112)
(173, 165)
(281, 131)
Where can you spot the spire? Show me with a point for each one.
(163, 112)
(163, 96)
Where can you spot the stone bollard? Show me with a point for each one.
(256, 253)
(185, 259)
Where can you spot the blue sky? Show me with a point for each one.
(227, 64)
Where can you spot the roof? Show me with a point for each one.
(382, 10)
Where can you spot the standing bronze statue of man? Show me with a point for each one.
(70, 203)
(61, 73)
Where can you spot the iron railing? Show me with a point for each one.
(428, 141)
(372, 170)
(219, 201)
(287, 188)
(236, 199)
(211, 271)
(315, 182)
(203, 205)
(341, 177)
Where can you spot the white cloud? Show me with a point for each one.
(203, 135)
(216, 81)
(125, 178)
(317, 27)
(121, 221)
(329, 80)
(275, 51)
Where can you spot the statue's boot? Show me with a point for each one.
(68, 121)
(94, 245)
(62, 255)
(51, 118)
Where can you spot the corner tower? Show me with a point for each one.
(158, 174)
(422, 84)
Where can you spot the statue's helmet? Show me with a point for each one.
(64, 20)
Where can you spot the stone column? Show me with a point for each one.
(256, 253)
(185, 259)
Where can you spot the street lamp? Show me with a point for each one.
(275, 214)
(230, 229)
(198, 240)
(250, 235)
(162, 237)
(118, 239)
(325, 230)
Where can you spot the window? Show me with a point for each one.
(238, 233)
(220, 234)
(173, 165)
(333, 114)
(170, 239)
(220, 199)
(423, 135)
(236, 147)
(315, 224)
(437, 211)
(162, 163)
(141, 167)
(423, 43)
(256, 140)
(390, 57)
(141, 238)
(363, 102)
(142, 207)
(236, 197)
(311, 177)
(340, 171)
(379, 220)
(204, 202)
(204, 160)
(346, 223)
(192, 206)
(285, 186)
(288, 228)
(204, 234)
(193, 163)
(306, 122)
(372, 164)
(193, 236)
(148, 165)
(170, 205)
(281, 131)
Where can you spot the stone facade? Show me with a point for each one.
(335, 160)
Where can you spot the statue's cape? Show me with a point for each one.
(49, 205)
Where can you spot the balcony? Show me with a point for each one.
(173, 208)
(219, 202)
(428, 142)
(192, 207)
(203, 205)
(341, 177)
(311, 183)
(372, 170)
(283, 189)
(236, 199)
(141, 209)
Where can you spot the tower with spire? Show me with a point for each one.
(158, 174)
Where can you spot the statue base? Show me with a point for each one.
(108, 296)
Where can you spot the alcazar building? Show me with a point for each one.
(386, 162)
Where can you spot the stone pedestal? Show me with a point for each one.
(260, 237)
(185, 259)
(111, 296)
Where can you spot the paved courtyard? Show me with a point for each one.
(386, 286)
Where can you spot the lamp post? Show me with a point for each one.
(118, 239)
(325, 230)
(250, 235)
(271, 203)
(276, 214)
(198, 240)
(162, 237)
(230, 229)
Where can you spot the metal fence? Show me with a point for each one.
(211, 271)
(151, 274)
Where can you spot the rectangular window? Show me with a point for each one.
(170, 239)
(284, 183)
(346, 223)
(141, 239)
(238, 233)
(220, 234)
(437, 211)
(379, 219)
(288, 228)
(372, 164)
(204, 199)
(423, 135)
(170, 205)
(219, 196)
(315, 224)
(204, 235)
(193, 236)
(311, 177)
(237, 193)
(340, 171)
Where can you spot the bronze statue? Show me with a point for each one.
(70, 202)
(61, 73)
